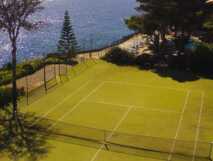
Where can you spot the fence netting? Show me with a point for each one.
(44, 80)
(129, 143)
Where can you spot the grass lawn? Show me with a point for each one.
(134, 107)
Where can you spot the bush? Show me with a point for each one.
(202, 58)
(177, 62)
(7, 66)
(57, 59)
(145, 61)
(119, 57)
(6, 96)
(27, 69)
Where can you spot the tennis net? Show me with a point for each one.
(128, 143)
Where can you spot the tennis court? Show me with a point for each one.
(160, 118)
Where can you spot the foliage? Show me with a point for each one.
(15, 17)
(6, 96)
(145, 61)
(202, 59)
(119, 56)
(136, 23)
(155, 17)
(68, 43)
(31, 67)
(198, 61)
(208, 27)
(159, 17)
(16, 13)
(28, 69)
(8, 66)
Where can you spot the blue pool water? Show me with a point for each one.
(96, 23)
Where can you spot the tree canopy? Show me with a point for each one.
(166, 16)
(14, 15)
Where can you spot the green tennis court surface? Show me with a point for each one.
(132, 107)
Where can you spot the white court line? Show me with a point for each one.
(61, 102)
(111, 134)
(198, 125)
(179, 125)
(144, 85)
(135, 107)
(76, 105)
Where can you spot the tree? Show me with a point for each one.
(188, 20)
(14, 16)
(184, 18)
(153, 19)
(208, 27)
(67, 43)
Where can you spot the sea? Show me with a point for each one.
(96, 23)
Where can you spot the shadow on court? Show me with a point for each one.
(19, 138)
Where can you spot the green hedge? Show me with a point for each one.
(199, 61)
(145, 61)
(119, 56)
(122, 57)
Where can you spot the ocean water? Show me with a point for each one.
(96, 23)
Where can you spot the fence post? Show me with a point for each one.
(105, 143)
(55, 75)
(27, 89)
(59, 71)
(45, 79)
(66, 69)
(210, 151)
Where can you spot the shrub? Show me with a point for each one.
(119, 56)
(6, 76)
(7, 66)
(27, 69)
(6, 96)
(177, 62)
(56, 59)
(202, 58)
(145, 61)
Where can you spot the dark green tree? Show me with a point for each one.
(153, 20)
(208, 27)
(189, 18)
(184, 18)
(68, 43)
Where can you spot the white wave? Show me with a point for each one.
(5, 47)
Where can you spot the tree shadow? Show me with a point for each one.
(23, 137)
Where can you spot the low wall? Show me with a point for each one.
(125, 43)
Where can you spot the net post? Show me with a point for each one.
(27, 88)
(105, 136)
(105, 143)
(210, 151)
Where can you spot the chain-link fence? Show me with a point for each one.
(39, 83)
(33, 86)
